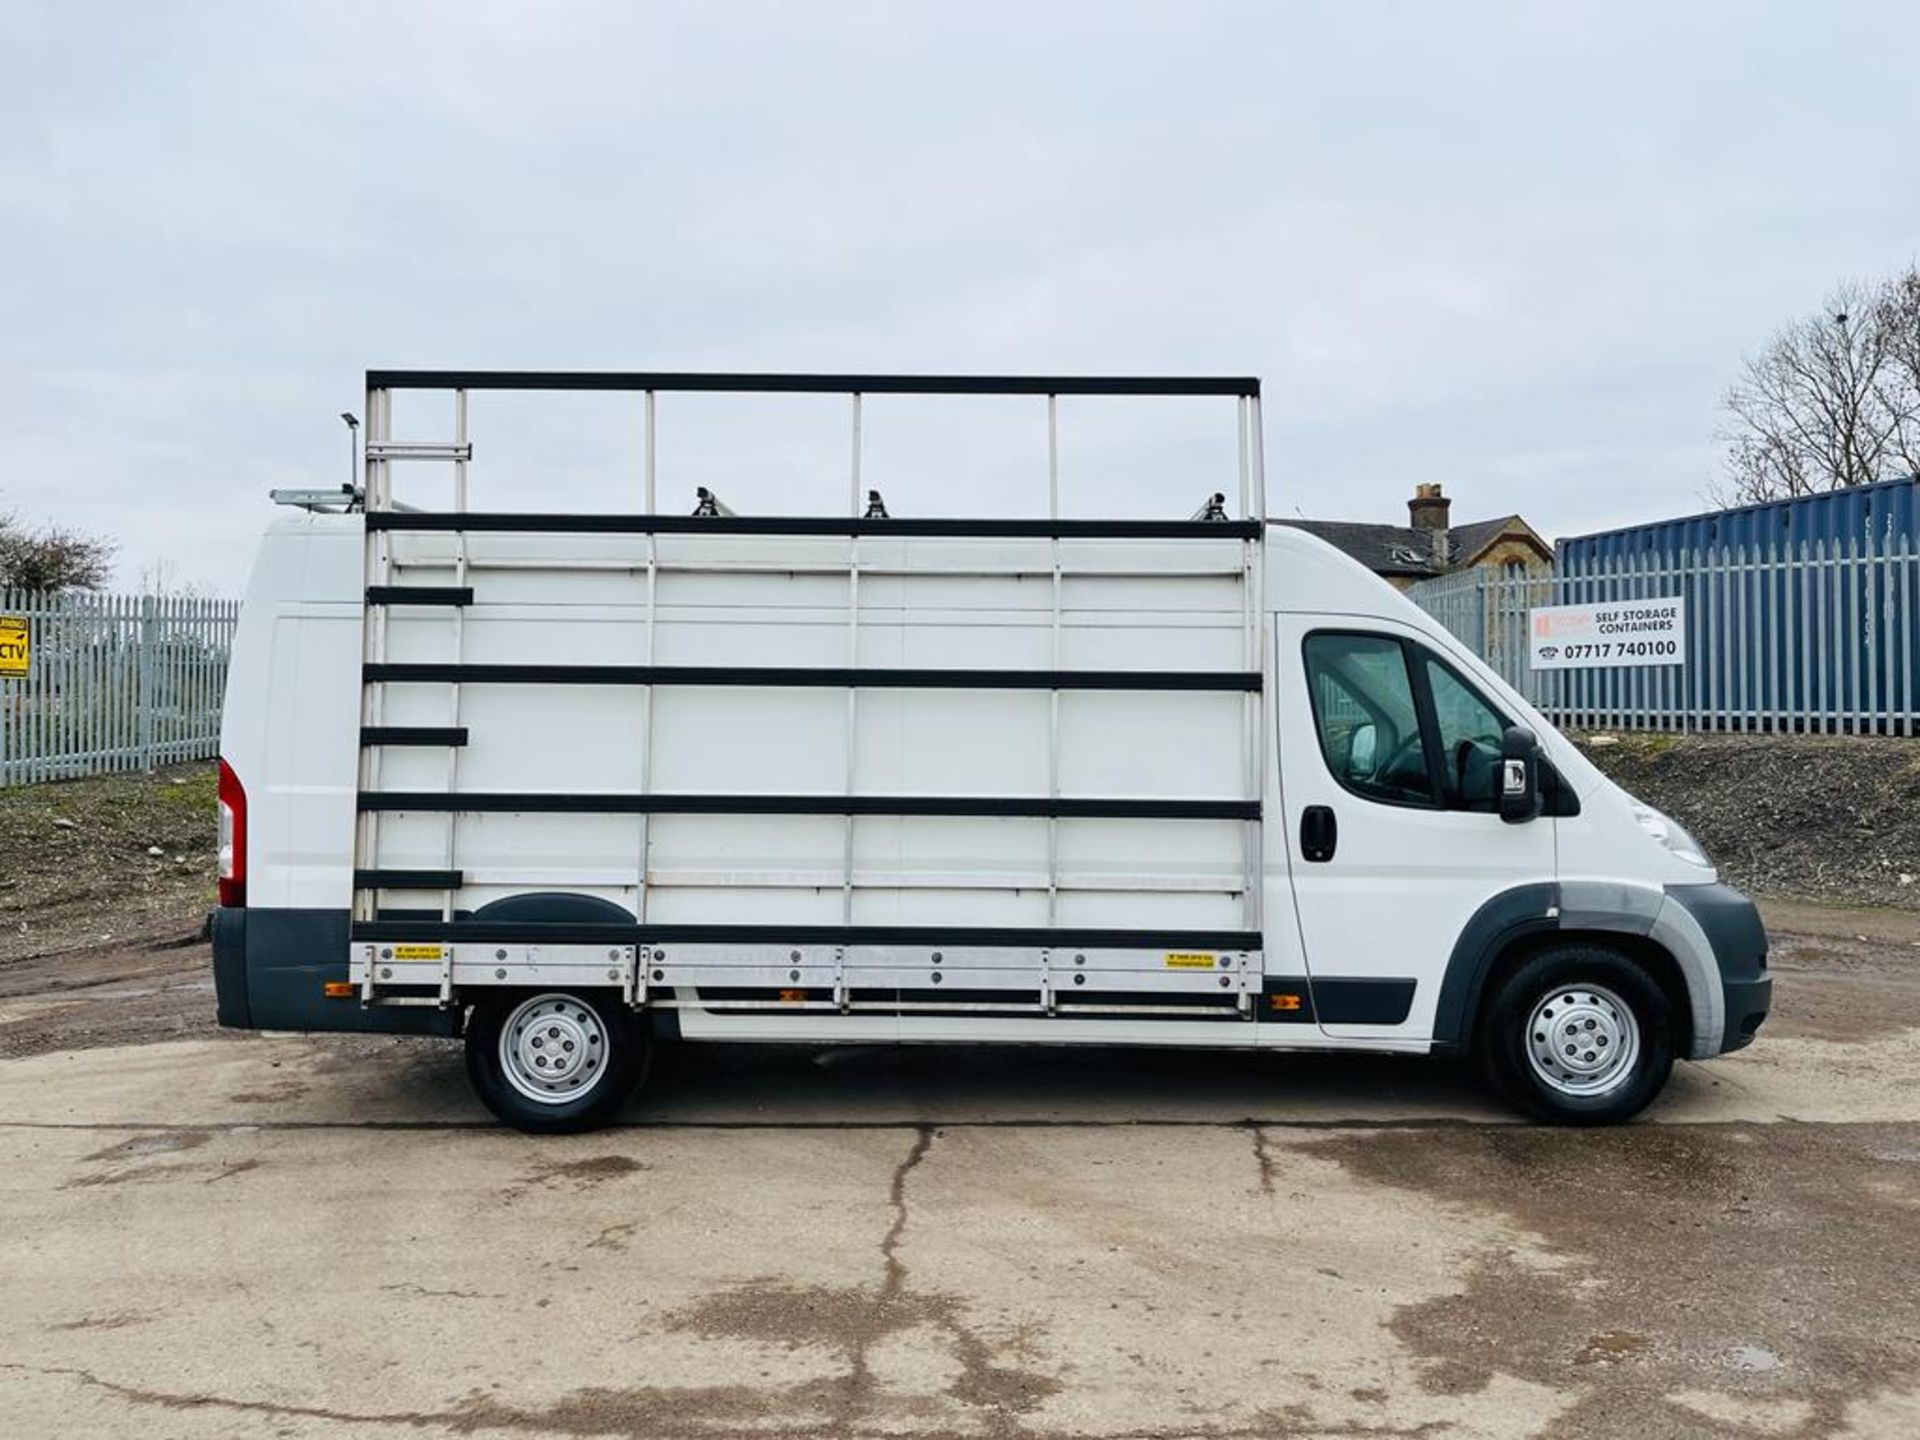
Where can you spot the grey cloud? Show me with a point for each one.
(1515, 248)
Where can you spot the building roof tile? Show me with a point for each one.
(1404, 549)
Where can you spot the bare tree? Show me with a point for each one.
(162, 577)
(1898, 315)
(51, 558)
(1820, 408)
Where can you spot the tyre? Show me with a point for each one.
(555, 1061)
(1578, 1035)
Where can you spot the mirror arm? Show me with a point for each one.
(1557, 797)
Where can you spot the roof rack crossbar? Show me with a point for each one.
(876, 526)
(771, 382)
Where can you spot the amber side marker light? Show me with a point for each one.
(1283, 1002)
(792, 997)
(337, 989)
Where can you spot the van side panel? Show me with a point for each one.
(290, 730)
(935, 603)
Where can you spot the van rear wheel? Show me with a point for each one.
(555, 1061)
(1578, 1035)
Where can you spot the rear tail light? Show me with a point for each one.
(233, 838)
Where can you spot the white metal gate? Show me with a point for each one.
(113, 682)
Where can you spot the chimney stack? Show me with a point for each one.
(1427, 511)
(1428, 508)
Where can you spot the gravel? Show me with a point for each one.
(1828, 818)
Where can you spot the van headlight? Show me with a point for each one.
(1672, 834)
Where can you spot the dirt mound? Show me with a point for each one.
(1829, 818)
(99, 861)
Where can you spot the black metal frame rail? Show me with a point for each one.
(904, 527)
(419, 595)
(509, 932)
(1011, 806)
(448, 673)
(408, 879)
(454, 735)
(768, 383)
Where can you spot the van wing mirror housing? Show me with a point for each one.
(1362, 751)
(1519, 775)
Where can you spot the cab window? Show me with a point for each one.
(1397, 724)
(1469, 730)
(1369, 724)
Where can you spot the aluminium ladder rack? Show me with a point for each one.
(407, 956)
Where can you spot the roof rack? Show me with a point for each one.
(381, 450)
(1231, 546)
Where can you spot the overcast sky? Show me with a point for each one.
(1518, 249)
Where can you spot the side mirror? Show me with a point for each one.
(1362, 746)
(1519, 775)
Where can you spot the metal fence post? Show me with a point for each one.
(1814, 634)
(143, 696)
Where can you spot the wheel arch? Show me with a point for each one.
(1638, 922)
(555, 907)
(568, 907)
(1650, 956)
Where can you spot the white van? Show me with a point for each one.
(569, 784)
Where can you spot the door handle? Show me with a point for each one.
(1319, 833)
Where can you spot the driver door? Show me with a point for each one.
(1387, 759)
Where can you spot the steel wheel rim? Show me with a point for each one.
(553, 1049)
(1582, 1040)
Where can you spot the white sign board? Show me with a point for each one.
(1619, 632)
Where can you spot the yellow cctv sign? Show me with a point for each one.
(16, 645)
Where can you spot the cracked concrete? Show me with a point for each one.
(294, 1237)
(1262, 1157)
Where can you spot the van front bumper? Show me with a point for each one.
(1738, 939)
(1747, 1004)
(270, 969)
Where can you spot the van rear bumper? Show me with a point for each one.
(228, 926)
(270, 967)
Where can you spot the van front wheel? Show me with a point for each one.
(1578, 1035)
(554, 1061)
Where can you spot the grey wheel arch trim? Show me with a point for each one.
(1676, 931)
(1509, 916)
(1646, 912)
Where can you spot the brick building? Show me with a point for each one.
(1430, 544)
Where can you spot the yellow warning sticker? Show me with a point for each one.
(1184, 960)
(16, 645)
(416, 952)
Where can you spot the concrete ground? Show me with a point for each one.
(213, 1235)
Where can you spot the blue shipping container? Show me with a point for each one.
(1800, 615)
